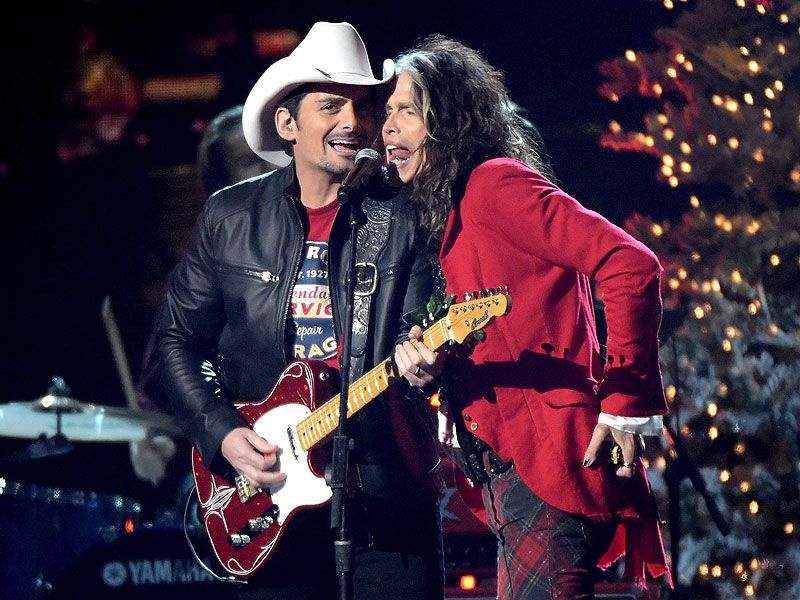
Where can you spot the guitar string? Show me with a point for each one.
(324, 427)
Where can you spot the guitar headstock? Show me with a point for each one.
(477, 311)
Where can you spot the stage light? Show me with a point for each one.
(468, 582)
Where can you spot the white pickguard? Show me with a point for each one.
(301, 487)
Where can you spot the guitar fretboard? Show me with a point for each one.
(321, 423)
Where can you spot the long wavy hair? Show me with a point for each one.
(468, 117)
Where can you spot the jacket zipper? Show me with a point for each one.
(266, 275)
(296, 267)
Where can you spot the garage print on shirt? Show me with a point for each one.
(314, 337)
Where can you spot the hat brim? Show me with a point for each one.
(280, 79)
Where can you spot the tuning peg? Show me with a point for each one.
(467, 297)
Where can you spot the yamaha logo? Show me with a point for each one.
(145, 572)
(114, 574)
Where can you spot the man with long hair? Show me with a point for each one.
(534, 402)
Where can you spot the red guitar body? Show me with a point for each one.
(244, 524)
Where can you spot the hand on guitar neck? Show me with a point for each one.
(418, 364)
(257, 459)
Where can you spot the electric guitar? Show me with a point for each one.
(245, 523)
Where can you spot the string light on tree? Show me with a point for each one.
(730, 132)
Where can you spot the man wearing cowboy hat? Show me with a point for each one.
(263, 282)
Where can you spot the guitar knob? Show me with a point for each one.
(239, 539)
(259, 523)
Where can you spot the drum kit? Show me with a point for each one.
(55, 541)
(56, 419)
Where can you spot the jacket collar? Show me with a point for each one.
(287, 178)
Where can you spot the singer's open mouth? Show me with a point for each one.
(345, 147)
(397, 154)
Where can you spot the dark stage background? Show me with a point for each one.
(112, 223)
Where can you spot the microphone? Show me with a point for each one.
(367, 162)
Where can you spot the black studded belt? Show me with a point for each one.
(481, 461)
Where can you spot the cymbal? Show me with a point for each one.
(81, 421)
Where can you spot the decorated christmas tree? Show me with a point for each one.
(724, 88)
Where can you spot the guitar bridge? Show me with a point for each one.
(244, 489)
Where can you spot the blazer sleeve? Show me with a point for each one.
(532, 213)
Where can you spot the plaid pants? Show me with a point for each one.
(543, 553)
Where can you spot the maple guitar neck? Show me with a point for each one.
(321, 423)
(461, 320)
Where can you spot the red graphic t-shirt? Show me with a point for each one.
(314, 336)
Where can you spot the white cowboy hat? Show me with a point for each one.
(330, 53)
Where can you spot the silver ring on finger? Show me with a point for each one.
(417, 371)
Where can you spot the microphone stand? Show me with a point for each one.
(342, 443)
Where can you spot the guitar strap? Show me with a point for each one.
(469, 455)
(370, 241)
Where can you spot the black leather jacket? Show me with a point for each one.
(228, 302)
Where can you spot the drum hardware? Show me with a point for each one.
(49, 446)
(43, 529)
(56, 419)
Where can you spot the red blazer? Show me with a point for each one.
(534, 387)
